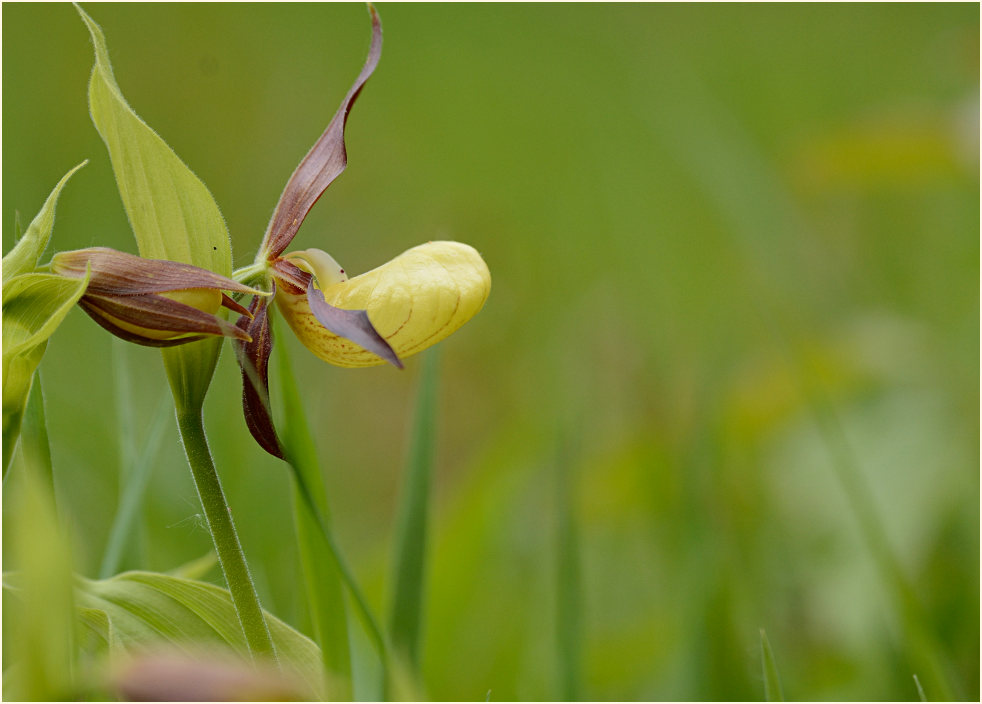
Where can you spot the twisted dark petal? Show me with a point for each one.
(117, 273)
(155, 312)
(323, 163)
(353, 325)
(254, 362)
(119, 332)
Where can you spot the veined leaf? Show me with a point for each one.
(171, 211)
(24, 257)
(146, 609)
(33, 307)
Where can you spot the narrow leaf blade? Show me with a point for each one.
(568, 580)
(135, 477)
(325, 594)
(409, 565)
(772, 683)
(41, 613)
(29, 248)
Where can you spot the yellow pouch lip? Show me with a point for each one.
(415, 300)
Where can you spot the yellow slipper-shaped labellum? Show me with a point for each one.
(413, 301)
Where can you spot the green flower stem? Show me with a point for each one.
(252, 274)
(227, 546)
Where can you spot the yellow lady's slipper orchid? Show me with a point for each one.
(391, 312)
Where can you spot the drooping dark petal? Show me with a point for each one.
(117, 273)
(119, 332)
(353, 325)
(253, 360)
(154, 313)
(323, 163)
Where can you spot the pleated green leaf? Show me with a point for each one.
(24, 257)
(33, 307)
(171, 211)
(144, 609)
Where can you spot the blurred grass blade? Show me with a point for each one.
(135, 478)
(171, 211)
(920, 690)
(409, 564)
(568, 587)
(34, 445)
(147, 608)
(772, 683)
(325, 595)
(123, 396)
(922, 643)
(25, 254)
(197, 568)
(42, 642)
(18, 227)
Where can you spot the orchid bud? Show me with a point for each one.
(152, 302)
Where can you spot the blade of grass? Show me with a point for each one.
(920, 690)
(322, 578)
(568, 592)
(34, 446)
(363, 610)
(43, 633)
(136, 477)
(123, 396)
(409, 564)
(772, 683)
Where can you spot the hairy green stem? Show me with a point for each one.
(252, 274)
(227, 546)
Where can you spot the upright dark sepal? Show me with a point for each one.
(323, 163)
(254, 361)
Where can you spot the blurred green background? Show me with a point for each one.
(735, 261)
